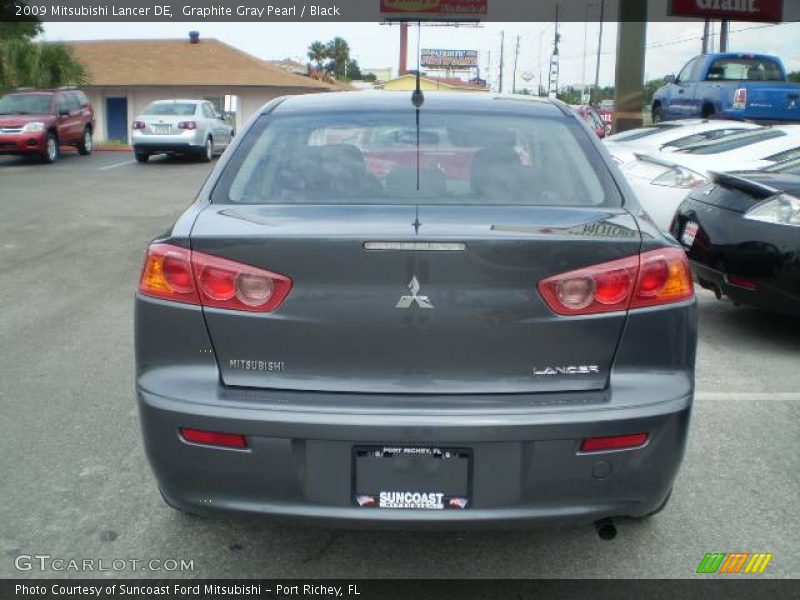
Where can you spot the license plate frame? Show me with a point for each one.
(689, 233)
(161, 128)
(411, 477)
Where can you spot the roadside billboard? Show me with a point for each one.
(770, 11)
(452, 10)
(434, 58)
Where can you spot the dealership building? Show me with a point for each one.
(127, 75)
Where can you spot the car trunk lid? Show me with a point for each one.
(407, 299)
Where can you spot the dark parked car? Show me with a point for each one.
(328, 336)
(37, 122)
(742, 234)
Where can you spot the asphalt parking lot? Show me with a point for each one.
(74, 482)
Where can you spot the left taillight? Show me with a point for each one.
(181, 275)
(652, 278)
(139, 125)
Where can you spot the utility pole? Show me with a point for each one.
(596, 94)
(723, 35)
(552, 86)
(706, 31)
(502, 44)
(514, 80)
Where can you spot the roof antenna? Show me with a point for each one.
(417, 97)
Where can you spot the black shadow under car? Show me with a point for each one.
(449, 314)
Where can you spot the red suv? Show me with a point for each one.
(37, 122)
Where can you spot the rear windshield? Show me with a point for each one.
(734, 142)
(383, 158)
(705, 136)
(643, 132)
(745, 69)
(170, 109)
(25, 104)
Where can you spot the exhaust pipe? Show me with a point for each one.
(606, 529)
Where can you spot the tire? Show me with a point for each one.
(85, 146)
(658, 116)
(142, 157)
(207, 153)
(51, 149)
(708, 112)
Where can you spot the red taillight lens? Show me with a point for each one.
(187, 125)
(613, 442)
(175, 273)
(655, 277)
(138, 125)
(213, 438)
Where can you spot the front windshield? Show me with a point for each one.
(790, 167)
(642, 132)
(734, 142)
(25, 104)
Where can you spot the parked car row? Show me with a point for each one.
(740, 223)
(37, 123)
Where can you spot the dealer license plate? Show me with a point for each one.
(412, 477)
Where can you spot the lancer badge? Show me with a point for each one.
(407, 301)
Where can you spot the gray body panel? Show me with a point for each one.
(359, 370)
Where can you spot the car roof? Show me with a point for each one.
(386, 100)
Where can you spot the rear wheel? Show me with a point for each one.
(208, 151)
(142, 157)
(708, 111)
(51, 150)
(85, 146)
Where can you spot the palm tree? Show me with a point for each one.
(339, 52)
(24, 63)
(317, 52)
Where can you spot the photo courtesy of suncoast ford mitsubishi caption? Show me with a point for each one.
(375, 302)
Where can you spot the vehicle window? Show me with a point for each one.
(372, 158)
(208, 111)
(642, 132)
(686, 72)
(705, 136)
(785, 155)
(73, 103)
(597, 119)
(63, 103)
(82, 99)
(791, 167)
(170, 109)
(735, 142)
(25, 104)
(745, 69)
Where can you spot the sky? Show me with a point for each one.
(373, 45)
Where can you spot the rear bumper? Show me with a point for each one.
(22, 143)
(190, 141)
(526, 463)
(771, 294)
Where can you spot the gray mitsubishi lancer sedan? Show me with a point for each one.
(450, 311)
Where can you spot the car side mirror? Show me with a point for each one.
(669, 79)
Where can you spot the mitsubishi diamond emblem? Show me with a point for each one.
(407, 301)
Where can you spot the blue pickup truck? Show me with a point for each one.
(731, 86)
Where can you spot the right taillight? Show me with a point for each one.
(655, 277)
(740, 99)
(182, 275)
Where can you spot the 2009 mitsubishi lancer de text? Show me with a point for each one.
(445, 312)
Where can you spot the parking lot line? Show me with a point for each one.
(115, 165)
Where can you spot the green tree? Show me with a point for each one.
(26, 63)
(339, 52)
(353, 71)
(795, 76)
(317, 52)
